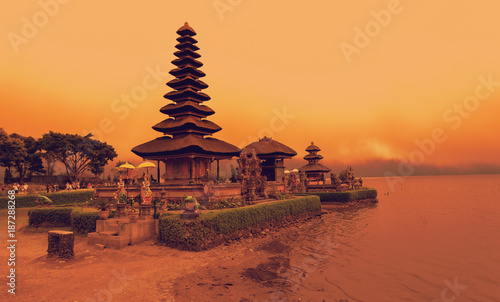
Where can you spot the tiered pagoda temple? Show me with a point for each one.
(186, 147)
(314, 170)
(272, 153)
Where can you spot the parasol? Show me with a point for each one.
(127, 166)
(147, 165)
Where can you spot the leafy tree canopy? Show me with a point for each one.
(20, 152)
(77, 153)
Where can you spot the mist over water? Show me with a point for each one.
(435, 238)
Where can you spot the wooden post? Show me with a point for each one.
(190, 169)
(158, 171)
(217, 171)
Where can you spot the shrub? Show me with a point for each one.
(193, 234)
(174, 204)
(232, 202)
(348, 196)
(83, 222)
(174, 232)
(50, 217)
(279, 195)
(102, 204)
(69, 197)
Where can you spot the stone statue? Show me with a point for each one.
(249, 174)
(208, 189)
(335, 180)
(121, 193)
(295, 182)
(146, 193)
(303, 182)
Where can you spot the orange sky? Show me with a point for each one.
(357, 97)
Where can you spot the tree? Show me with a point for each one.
(96, 169)
(31, 161)
(50, 163)
(10, 151)
(77, 153)
(20, 152)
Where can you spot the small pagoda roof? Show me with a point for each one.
(187, 124)
(187, 61)
(187, 107)
(187, 70)
(187, 45)
(314, 168)
(312, 148)
(313, 156)
(187, 82)
(189, 39)
(187, 52)
(185, 94)
(267, 147)
(186, 30)
(164, 146)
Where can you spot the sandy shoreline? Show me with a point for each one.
(247, 269)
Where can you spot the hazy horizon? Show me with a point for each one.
(375, 84)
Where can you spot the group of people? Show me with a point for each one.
(52, 188)
(76, 186)
(23, 188)
(69, 187)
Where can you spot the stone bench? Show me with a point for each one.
(61, 244)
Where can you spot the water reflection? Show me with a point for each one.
(420, 238)
(321, 244)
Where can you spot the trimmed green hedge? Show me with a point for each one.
(347, 196)
(174, 232)
(63, 197)
(50, 216)
(192, 235)
(81, 221)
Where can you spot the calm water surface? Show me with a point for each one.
(433, 238)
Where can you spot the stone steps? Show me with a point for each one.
(119, 233)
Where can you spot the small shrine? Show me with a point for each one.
(272, 154)
(250, 175)
(314, 170)
(186, 147)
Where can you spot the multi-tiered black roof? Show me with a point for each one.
(313, 158)
(187, 126)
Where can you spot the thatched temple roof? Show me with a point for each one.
(167, 146)
(267, 147)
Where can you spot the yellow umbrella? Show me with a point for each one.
(127, 166)
(147, 165)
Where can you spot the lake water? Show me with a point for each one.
(433, 238)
